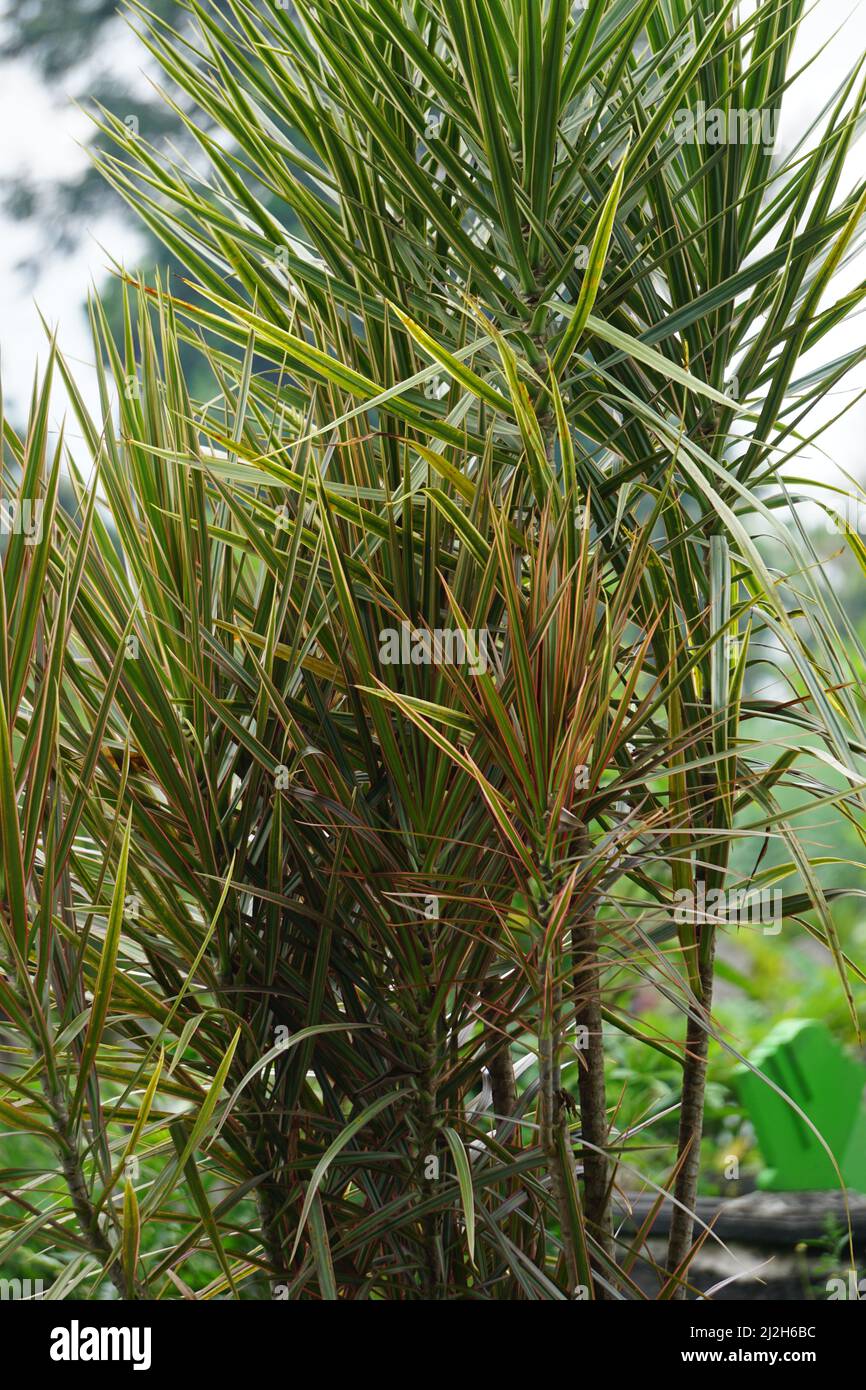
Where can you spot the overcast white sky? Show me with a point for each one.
(42, 132)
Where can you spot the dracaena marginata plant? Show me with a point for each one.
(315, 917)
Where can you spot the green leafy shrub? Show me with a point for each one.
(318, 961)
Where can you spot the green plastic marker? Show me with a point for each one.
(806, 1062)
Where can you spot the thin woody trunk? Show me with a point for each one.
(503, 1087)
(551, 1119)
(71, 1161)
(85, 1212)
(503, 1084)
(691, 1124)
(591, 1088)
(272, 1239)
(500, 1068)
(433, 1275)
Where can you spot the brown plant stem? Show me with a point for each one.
(82, 1205)
(428, 1118)
(691, 1123)
(502, 1084)
(272, 1238)
(549, 1120)
(591, 1087)
(597, 1185)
